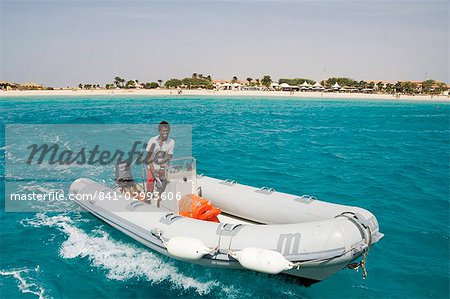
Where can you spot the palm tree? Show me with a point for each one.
(234, 80)
(80, 86)
(441, 87)
(427, 86)
(380, 85)
(160, 82)
(362, 84)
(208, 77)
(249, 80)
(266, 80)
(117, 81)
(194, 75)
(389, 87)
(129, 84)
(257, 81)
(398, 87)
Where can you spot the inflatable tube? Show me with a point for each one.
(268, 231)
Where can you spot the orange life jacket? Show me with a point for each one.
(202, 209)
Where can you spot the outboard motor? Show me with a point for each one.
(123, 174)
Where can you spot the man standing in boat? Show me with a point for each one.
(159, 153)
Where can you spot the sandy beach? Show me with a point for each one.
(214, 93)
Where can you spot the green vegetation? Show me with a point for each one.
(197, 83)
(427, 87)
(130, 84)
(430, 87)
(295, 81)
(433, 87)
(194, 82)
(266, 81)
(342, 81)
(119, 82)
(173, 83)
(441, 87)
(389, 88)
(200, 76)
(406, 87)
(151, 85)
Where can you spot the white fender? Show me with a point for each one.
(186, 248)
(262, 260)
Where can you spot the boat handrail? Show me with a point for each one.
(230, 181)
(308, 197)
(269, 190)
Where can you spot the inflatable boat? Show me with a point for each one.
(221, 223)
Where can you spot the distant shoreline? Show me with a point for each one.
(220, 93)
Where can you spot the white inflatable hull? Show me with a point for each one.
(260, 230)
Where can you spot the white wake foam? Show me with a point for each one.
(24, 281)
(120, 261)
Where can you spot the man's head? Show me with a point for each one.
(164, 129)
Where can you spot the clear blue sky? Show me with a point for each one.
(62, 43)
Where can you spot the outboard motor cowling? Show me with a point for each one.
(124, 177)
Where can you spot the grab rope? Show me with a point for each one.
(365, 253)
(362, 264)
(367, 236)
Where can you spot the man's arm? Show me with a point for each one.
(166, 159)
(150, 148)
(148, 158)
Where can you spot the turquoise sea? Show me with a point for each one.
(392, 158)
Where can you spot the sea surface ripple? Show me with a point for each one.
(392, 158)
